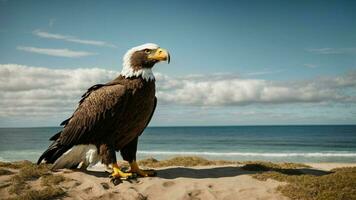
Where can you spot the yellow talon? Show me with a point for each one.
(144, 173)
(117, 173)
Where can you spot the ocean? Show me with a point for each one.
(326, 143)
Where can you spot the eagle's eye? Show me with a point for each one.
(147, 51)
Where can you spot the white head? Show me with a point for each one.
(140, 60)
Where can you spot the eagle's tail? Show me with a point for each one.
(54, 151)
(64, 156)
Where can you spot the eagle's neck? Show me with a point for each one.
(145, 73)
(134, 82)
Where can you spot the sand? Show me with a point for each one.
(213, 182)
(175, 182)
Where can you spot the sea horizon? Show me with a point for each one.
(276, 143)
(179, 126)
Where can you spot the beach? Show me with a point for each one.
(236, 162)
(177, 178)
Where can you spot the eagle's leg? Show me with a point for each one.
(109, 157)
(128, 153)
(117, 173)
(143, 173)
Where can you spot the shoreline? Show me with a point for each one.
(177, 178)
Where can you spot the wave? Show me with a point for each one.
(12, 155)
(255, 154)
(33, 155)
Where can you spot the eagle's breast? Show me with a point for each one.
(137, 112)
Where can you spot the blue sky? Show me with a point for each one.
(292, 43)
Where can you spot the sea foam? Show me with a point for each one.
(304, 154)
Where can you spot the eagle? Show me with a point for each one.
(110, 117)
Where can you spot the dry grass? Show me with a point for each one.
(271, 165)
(338, 185)
(44, 194)
(284, 168)
(18, 184)
(5, 172)
(32, 171)
(29, 172)
(15, 164)
(52, 180)
(187, 161)
(190, 161)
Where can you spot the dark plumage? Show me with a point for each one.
(119, 110)
(109, 116)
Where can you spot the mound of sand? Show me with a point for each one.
(213, 180)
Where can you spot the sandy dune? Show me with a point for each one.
(217, 182)
(203, 182)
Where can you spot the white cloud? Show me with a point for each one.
(230, 90)
(69, 38)
(351, 50)
(39, 91)
(56, 52)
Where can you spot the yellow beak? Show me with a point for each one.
(160, 55)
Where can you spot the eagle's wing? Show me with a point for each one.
(99, 109)
(149, 119)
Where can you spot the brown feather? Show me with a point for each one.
(111, 114)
